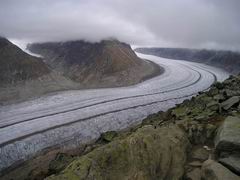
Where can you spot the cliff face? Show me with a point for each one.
(108, 63)
(227, 60)
(17, 66)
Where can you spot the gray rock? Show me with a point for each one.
(228, 135)
(213, 91)
(219, 97)
(212, 170)
(214, 106)
(232, 162)
(195, 174)
(200, 154)
(230, 102)
(231, 93)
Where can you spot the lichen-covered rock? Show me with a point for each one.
(219, 97)
(213, 91)
(148, 153)
(214, 106)
(60, 162)
(108, 136)
(228, 136)
(212, 170)
(197, 132)
(180, 112)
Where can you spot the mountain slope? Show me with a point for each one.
(228, 60)
(17, 66)
(23, 76)
(108, 63)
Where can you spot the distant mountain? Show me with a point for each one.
(228, 60)
(24, 76)
(108, 63)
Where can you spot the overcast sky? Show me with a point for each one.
(176, 23)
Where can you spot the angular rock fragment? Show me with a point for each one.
(230, 102)
(232, 162)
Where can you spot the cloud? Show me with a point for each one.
(181, 23)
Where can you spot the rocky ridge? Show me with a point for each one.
(108, 63)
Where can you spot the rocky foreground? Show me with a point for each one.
(198, 139)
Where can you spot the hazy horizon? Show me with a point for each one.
(166, 23)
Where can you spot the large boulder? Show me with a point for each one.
(232, 162)
(212, 170)
(228, 136)
(148, 153)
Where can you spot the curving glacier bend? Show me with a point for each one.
(70, 118)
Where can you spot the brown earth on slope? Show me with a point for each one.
(108, 63)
